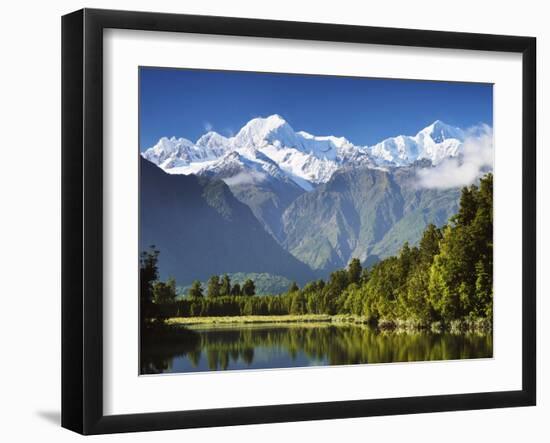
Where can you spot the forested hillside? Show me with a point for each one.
(447, 277)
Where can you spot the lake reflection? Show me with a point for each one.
(297, 345)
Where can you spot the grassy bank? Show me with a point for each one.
(242, 319)
(456, 326)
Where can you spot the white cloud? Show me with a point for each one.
(245, 178)
(208, 126)
(477, 158)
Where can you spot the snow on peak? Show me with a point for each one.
(400, 150)
(259, 132)
(168, 150)
(212, 138)
(439, 132)
(177, 152)
(213, 144)
(271, 146)
(435, 143)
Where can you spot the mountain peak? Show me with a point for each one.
(440, 131)
(267, 124)
(212, 138)
(261, 130)
(276, 119)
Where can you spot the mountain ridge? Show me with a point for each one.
(362, 213)
(306, 159)
(201, 229)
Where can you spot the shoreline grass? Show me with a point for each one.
(247, 319)
(457, 326)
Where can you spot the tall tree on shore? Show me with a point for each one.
(225, 287)
(468, 206)
(236, 289)
(354, 271)
(429, 243)
(196, 290)
(148, 274)
(213, 286)
(164, 292)
(461, 274)
(249, 288)
(293, 287)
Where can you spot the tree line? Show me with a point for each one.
(447, 276)
(221, 286)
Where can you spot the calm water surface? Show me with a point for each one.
(298, 345)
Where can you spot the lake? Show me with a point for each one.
(263, 346)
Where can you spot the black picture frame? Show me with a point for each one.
(82, 218)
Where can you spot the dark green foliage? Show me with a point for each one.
(364, 276)
(447, 277)
(148, 274)
(213, 286)
(236, 289)
(298, 304)
(338, 281)
(265, 283)
(354, 271)
(461, 278)
(468, 206)
(164, 292)
(429, 244)
(293, 287)
(196, 290)
(483, 301)
(248, 288)
(225, 288)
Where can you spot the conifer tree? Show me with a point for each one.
(225, 287)
(196, 290)
(354, 271)
(236, 289)
(213, 286)
(293, 287)
(248, 288)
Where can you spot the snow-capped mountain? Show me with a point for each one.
(270, 148)
(170, 153)
(435, 143)
(265, 145)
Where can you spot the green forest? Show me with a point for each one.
(446, 278)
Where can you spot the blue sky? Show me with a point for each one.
(188, 103)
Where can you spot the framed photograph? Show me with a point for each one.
(268, 221)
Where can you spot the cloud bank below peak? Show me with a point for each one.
(475, 159)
